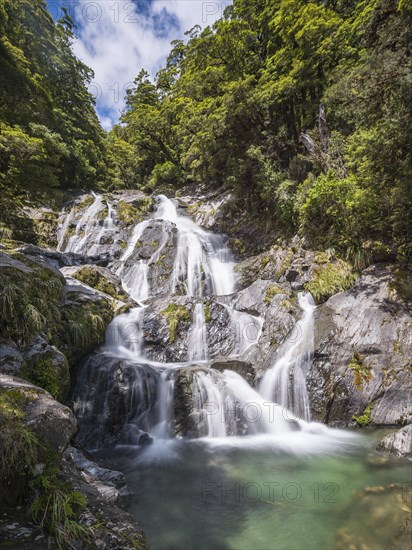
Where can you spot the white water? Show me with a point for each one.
(285, 381)
(198, 339)
(225, 404)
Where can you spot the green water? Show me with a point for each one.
(250, 494)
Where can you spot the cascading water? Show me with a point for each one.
(285, 382)
(203, 268)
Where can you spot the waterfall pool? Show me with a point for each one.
(251, 493)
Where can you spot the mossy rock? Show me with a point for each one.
(330, 278)
(101, 279)
(176, 314)
(132, 213)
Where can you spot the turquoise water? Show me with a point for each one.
(263, 493)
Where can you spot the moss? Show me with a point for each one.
(132, 213)
(264, 261)
(175, 314)
(361, 373)
(92, 277)
(273, 291)
(86, 202)
(123, 245)
(208, 315)
(365, 418)
(331, 278)
(287, 304)
(45, 376)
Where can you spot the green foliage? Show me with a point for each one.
(365, 418)
(238, 105)
(19, 446)
(175, 314)
(57, 509)
(29, 302)
(49, 132)
(331, 278)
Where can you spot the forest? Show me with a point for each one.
(303, 109)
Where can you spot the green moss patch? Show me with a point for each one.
(175, 314)
(134, 212)
(365, 418)
(273, 291)
(331, 278)
(92, 277)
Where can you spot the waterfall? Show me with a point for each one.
(285, 381)
(217, 404)
(198, 343)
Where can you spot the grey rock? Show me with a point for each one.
(11, 359)
(398, 443)
(53, 423)
(363, 343)
(110, 484)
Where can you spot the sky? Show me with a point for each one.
(117, 38)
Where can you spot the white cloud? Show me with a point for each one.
(117, 42)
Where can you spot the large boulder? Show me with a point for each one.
(53, 423)
(114, 401)
(362, 369)
(398, 443)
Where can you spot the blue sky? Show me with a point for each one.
(117, 38)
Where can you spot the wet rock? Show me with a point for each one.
(53, 423)
(110, 484)
(398, 443)
(119, 529)
(114, 401)
(99, 278)
(363, 341)
(50, 257)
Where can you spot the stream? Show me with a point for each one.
(215, 461)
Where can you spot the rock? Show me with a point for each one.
(110, 484)
(11, 360)
(398, 443)
(50, 257)
(53, 423)
(86, 315)
(362, 367)
(119, 529)
(100, 279)
(47, 367)
(114, 401)
(160, 259)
